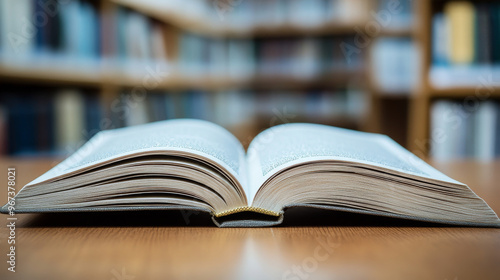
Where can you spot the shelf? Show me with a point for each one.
(218, 28)
(464, 92)
(396, 32)
(331, 79)
(397, 94)
(97, 76)
(480, 81)
(287, 30)
(64, 75)
(464, 80)
(92, 74)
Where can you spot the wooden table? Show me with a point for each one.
(158, 245)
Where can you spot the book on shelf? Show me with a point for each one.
(486, 133)
(395, 65)
(306, 13)
(234, 108)
(395, 15)
(3, 130)
(265, 13)
(440, 40)
(196, 165)
(483, 34)
(46, 132)
(351, 11)
(157, 106)
(24, 118)
(69, 107)
(13, 39)
(306, 58)
(134, 40)
(461, 16)
(461, 130)
(240, 58)
(315, 105)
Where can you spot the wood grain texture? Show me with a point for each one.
(158, 245)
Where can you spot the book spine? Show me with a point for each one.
(485, 131)
(462, 18)
(69, 120)
(3, 130)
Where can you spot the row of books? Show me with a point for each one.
(78, 33)
(465, 129)
(41, 121)
(56, 121)
(75, 34)
(36, 27)
(230, 108)
(303, 57)
(466, 33)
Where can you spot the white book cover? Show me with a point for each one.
(69, 120)
(17, 32)
(485, 126)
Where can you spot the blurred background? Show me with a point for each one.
(426, 73)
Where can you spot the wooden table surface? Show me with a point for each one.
(159, 245)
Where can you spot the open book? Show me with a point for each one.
(197, 165)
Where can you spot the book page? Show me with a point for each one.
(285, 145)
(195, 136)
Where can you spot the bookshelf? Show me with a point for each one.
(111, 79)
(453, 81)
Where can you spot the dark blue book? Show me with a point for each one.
(495, 32)
(93, 114)
(173, 105)
(44, 114)
(121, 36)
(483, 32)
(22, 138)
(497, 133)
(198, 105)
(156, 106)
(40, 44)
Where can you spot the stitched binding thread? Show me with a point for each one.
(247, 208)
